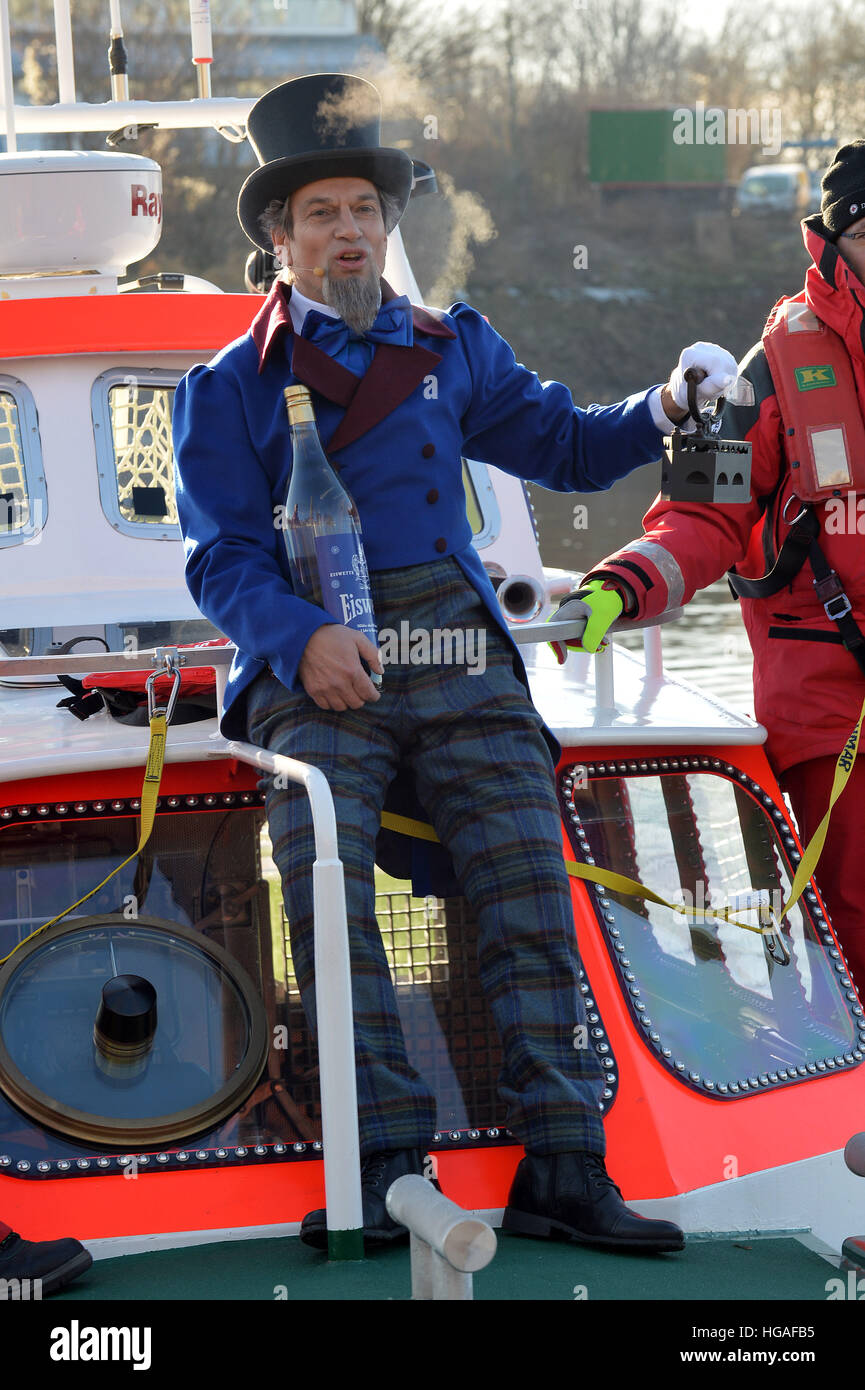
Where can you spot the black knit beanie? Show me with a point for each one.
(844, 189)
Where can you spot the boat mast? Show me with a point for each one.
(6, 78)
(65, 59)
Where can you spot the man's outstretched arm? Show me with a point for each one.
(686, 546)
(534, 430)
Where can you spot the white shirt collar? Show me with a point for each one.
(299, 306)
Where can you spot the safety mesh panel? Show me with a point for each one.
(431, 947)
(143, 456)
(14, 496)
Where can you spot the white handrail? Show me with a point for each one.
(566, 630)
(654, 653)
(605, 692)
(333, 1003)
(144, 659)
(199, 113)
(141, 659)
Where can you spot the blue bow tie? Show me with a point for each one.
(393, 324)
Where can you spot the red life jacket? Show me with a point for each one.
(824, 440)
(824, 434)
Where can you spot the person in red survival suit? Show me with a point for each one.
(48, 1264)
(805, 384)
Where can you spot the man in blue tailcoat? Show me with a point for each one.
(401, 394)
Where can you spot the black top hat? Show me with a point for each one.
(319, 127)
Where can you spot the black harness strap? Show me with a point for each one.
(82, 702)
(836, 605)
(801, 544)
(795, 550)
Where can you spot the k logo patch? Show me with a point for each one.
(809, 378)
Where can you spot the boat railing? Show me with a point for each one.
(448, 1245)
(221, 657)
(571, 630)
(130, 659)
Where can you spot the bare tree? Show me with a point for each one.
(388, 21)
(623, 51)
(823, 76)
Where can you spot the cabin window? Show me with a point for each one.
(706, 994)
(18, 641)
(481, 506)
(175, 632)
(23, 503)
(132, 412)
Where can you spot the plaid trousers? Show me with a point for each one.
(484, 774)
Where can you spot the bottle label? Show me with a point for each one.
(344, 578)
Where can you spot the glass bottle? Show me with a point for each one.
(322, 529)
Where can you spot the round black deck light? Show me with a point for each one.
(125, 1026)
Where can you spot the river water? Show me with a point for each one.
(707, 645)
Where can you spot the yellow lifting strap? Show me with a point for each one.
(619, 883)
(159, 717)
(812, 851)
(417, 829)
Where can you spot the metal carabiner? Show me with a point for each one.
(799, 517)
(171, 663)
(776, 947)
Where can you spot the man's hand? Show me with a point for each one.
(721, 372)
(330, 670)
(604, 603)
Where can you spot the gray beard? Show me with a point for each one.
(357, 301)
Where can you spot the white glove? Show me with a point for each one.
(720, 368)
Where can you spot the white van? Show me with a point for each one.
(774, 188)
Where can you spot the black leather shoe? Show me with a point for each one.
(54, 1262)
(571, 1196)
(377, 1172)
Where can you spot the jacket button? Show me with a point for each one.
(428, 450)
(433, 495)
(441, 544)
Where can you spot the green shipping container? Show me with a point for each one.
(628, 148)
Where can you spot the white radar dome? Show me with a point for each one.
(82, 210)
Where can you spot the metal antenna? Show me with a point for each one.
(202, 43)
(117, 56)
(65, 57)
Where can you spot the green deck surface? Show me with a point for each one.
(522, 1270)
